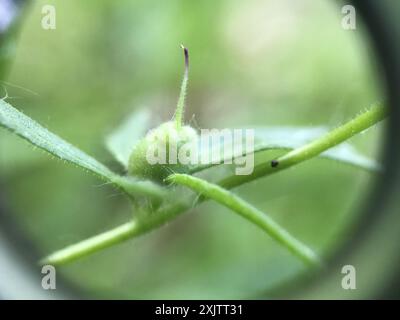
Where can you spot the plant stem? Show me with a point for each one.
(248, 212)
(135, 227)
(156, 219)
(358, 124)
(96, 243)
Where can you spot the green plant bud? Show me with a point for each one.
(156, 156)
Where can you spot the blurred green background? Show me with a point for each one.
(259, 62)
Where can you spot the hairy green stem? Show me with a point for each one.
(247, 211)
(156, 219)
(96, 243)
(344, 132)
(135, 227)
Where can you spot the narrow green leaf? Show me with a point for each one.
(30, 130)
(39, 136)
(121, 142)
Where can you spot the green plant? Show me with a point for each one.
(155, 191)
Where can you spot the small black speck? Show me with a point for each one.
(274, 163)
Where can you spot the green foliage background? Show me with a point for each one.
(257, 62)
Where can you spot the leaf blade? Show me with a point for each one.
(33, 132)
(39, 136)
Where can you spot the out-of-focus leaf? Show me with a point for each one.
(287, 138)
(30, 130)
(121, 142)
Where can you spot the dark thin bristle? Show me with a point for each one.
(274, 163)
(186, 53)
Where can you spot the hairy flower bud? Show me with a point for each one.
(157, 155)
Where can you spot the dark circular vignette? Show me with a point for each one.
(379, 18)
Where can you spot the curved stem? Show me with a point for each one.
(156, 219)
(346, 131)
(248, 212)
(259, 149)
